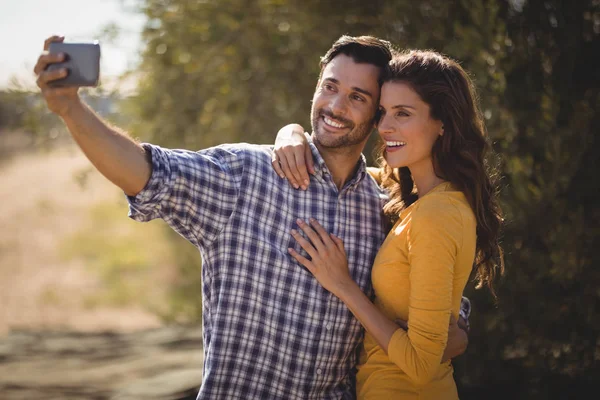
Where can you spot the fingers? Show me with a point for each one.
(302, 260)
(54, 38)
(295, 160)
(299, 168)
(47, 76)
(45, 59)
(325, 237)
(289, 162)
(295, 163)
(320, 239)
(305, 244)
(285, 160)
(276, 165)
(314, 237)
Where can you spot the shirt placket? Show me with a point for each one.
(328, 346)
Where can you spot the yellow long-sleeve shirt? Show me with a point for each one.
(419, 275)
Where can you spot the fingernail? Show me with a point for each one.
(293, 231)
(296, 186)
(282, 176)
(290, 250)
(303, 187)
(306, 181)
(312, 219)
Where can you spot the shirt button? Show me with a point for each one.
(319, 371)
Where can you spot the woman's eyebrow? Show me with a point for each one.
(403, 106)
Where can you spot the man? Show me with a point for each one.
(269, 330)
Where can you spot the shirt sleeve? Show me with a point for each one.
(434, 237)
(193, 192)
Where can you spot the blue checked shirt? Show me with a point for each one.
(270, 331)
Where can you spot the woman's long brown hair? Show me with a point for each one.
(459, 156)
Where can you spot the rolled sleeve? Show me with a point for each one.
(144, 206)
(194, 192)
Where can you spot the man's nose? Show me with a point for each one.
(339, 105)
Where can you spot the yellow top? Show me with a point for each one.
(419, 275)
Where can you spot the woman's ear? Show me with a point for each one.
(442, 131)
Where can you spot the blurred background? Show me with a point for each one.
(96, 306)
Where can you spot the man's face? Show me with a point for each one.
(345, 103)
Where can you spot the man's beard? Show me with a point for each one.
(356, 135)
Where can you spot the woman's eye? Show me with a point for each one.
(402, 114)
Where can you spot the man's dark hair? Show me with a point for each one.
(362, 49)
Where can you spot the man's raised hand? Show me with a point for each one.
(59, 99)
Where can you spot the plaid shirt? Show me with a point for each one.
(270, 330)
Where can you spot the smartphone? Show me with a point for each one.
(82, 61)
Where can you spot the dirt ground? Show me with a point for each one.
(45, 196)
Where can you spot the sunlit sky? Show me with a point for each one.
(25, 24)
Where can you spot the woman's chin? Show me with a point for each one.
(393, 162)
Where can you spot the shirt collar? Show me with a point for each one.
(321, 170)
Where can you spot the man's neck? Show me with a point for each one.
(341, 162)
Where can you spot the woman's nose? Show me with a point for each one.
(385, 124)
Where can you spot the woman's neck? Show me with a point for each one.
(425, 178)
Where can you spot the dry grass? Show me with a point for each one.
(60, 218)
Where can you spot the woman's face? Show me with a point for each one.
(406, 127)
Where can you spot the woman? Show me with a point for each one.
(446, 226)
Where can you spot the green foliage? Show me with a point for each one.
(229, 71)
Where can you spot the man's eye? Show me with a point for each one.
(358, 98)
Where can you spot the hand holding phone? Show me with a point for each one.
(82, 61)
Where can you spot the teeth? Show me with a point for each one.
(333, 123)
(394, 144)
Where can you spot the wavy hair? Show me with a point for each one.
(460, 156)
